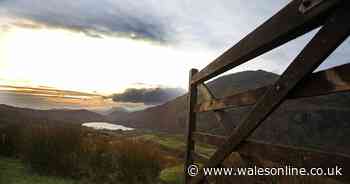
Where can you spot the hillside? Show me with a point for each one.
(171, 116)
(9, 114)
(317, 122)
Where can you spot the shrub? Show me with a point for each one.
(138, 162)
(125, 161)
(100, 164)
(9, 140)
(66, 150)
(52, 149)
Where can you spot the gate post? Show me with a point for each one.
(191, 123)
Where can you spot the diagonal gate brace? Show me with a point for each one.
(332, 34)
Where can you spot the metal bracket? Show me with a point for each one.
(307, 5)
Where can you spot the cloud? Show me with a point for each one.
(215, 24)
(90, 17)
(148, 96)
(195, 24)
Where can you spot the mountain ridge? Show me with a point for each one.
(11, 114)
(321, 122)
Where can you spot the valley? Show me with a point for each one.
(304, 123)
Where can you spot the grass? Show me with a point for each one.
(14, 172)
(177, 143)
(172, 175)
(171, 142)
(175, 174)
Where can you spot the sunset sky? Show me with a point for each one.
(107, 46)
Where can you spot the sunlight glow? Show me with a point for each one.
(73, 61)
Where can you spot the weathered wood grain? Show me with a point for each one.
(222, 117)
(191, 123)
(333, 80)
(285, 155)
(286, 25)
(332, 34)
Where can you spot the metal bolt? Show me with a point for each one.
(306, 3)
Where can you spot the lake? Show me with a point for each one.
(105, 126)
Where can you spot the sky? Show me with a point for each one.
(109, 46)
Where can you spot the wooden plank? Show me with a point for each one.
(333, 80)
(191, 123)
(286, 25)
(206, 93)
(226, 121)
(216, 140)
(198, 157)
(282, 154)
(298, 157)
(241, 99)
(223, 118)
(335, 31)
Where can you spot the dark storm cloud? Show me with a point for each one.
(149, 96)
(90, 17)
(216, 24)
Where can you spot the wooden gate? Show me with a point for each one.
(298, 80)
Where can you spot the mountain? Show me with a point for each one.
(9, 114)
(171, 116)
(315, 122)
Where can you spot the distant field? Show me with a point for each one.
(14, 172)
(174, 174)
(177, 142)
